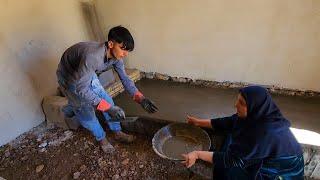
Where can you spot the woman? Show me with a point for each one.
(260, 145)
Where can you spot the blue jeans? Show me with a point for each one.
(85, 113)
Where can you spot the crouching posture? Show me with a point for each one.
(79, 82)
(260, 144)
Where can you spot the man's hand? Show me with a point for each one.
(148, 105)
(190, 158)
(116, 113)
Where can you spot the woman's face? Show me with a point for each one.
(241, 106)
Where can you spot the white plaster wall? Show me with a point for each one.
(33, 36)
(268, 42)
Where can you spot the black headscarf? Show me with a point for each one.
(264, 132)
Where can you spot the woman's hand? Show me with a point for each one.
(199, 122)
(190, 158)
(193, 120)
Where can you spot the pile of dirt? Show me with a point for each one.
(57, 154)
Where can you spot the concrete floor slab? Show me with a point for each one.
(176, 100)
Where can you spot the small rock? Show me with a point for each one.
(114, 163)
(39, 168)
(76, 175)
(149, 75)
(83, 168)
(42, 150)
(101, 162)
(7, 154)
(141, 166)
(115, 177)
(189, 80)
(124, 154)
(132, 168)
(292, 93)
(161, 76)
(68, 133)
(124, 173)
(86, 146)
(24, 158)
(182, 80)
(91, 143)
(174, 79)
(125, 162)
(44, 144)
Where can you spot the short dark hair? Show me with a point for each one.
(121, 35)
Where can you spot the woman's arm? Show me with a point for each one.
(199, 122)
(190, 158)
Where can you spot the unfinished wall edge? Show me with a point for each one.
(228, 84)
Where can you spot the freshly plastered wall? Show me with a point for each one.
(33, 35)
(268, 42)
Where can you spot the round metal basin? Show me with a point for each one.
(179, 138)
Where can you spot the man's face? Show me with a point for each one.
(241, 106)
(117, 50)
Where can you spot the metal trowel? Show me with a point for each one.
(127, 119)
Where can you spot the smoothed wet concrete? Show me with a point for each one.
(176, 100)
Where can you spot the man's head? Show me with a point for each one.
(120, 42)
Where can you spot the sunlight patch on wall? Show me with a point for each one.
(306, 137)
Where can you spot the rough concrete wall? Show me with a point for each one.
(267, 42)
(33, 35)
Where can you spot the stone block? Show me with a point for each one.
(52, 107)
(161, 76)
(54, 110)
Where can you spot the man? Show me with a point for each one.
(78, 80)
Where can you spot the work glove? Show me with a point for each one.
(146, 103)
(114, 111)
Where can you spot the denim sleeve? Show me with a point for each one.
(85, 92)
(225, 123)
(84, 84)
(126, 81)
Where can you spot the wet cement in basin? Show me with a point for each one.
(175, 146)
